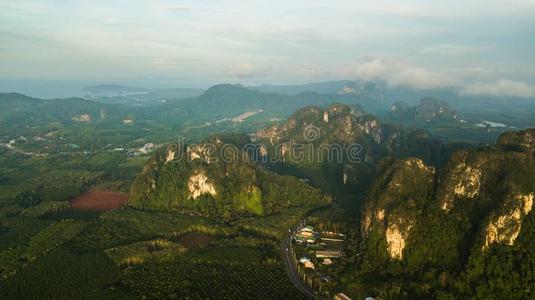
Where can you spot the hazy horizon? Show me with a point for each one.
(480, 47)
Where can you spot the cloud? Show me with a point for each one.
(500, 88)
(163, 63)
(398, 72)
(176, 8)
(451, 50)
(243, 70)
(109, 20)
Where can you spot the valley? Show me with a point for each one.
(157, 207)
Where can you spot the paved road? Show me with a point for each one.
(292, 270)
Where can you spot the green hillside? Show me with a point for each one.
(455, 233)
(205, 180)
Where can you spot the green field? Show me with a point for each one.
(130, 254)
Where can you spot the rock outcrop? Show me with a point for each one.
(428, 111)
(218, 179)
(504, 227)
(479, 199)
(390, 213)
(338, 147)
(518, 141)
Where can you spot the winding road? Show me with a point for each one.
(292, 270)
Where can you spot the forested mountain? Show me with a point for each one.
(228, 101)
(464, 230)
(19, 112)
(439, 220)
(257, 107)
(344, 146)
(221, 102)
(211, 179)
(429, 110)
(337, 149)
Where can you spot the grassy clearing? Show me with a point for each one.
(138, 253)
(274, 226)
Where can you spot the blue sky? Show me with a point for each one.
(482, 47)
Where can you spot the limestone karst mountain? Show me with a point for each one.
(343, 146)
(219, 179)
(419, 219)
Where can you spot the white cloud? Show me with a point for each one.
(110, 20)
(286, 40)
(500, 88)
(371, 70)
(243, 70)
(176, 8)
(451, 50)
(397, 72)
(164, 62)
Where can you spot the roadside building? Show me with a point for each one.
(332, 239)
(308, 229)
(309, 265)
(328, 254)
(304, 259)
(341, 296)
(305, 234)
(300, 240)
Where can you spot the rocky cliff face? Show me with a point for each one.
(523, 141)
(399, 193)
(205, 179)
(338, 148)
(428, 111)
(480, 200)
(312, 136)
(504, 226)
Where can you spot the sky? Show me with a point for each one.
(481, 47)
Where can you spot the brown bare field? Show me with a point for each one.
(99, 201)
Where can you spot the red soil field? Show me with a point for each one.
(99, 201)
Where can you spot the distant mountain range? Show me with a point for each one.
(182, 107)
(428, 111)
(114, 88)
(112, 93)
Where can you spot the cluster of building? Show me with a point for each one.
(147, 148)
(306, 235)
(324, 247)
(11, 145)
(323, 242)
